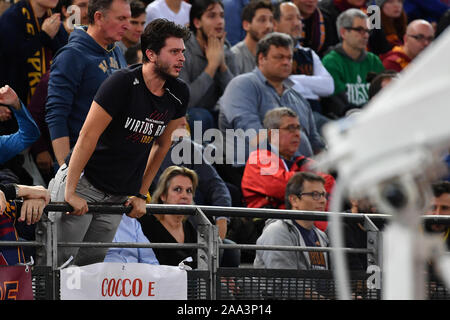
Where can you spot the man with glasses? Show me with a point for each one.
(419, 34)
(305, 191)
(267, 173)
(349, 64)
(249, 96)
(268, 170)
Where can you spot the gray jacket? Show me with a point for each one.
(283, 232)
(204, 90)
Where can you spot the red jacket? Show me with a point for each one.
(263, 183)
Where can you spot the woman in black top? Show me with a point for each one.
(175, 186)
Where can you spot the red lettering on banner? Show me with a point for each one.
(123, 288)
(118, 294)
(150, 289)
(111, 285)
(103, 287)
(134, 287)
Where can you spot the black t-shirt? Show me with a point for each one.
(157, 233)
(138, 116)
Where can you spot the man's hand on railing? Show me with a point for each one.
(78, 204)
(31, 210)
(139, 208)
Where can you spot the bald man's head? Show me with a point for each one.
(419, 35)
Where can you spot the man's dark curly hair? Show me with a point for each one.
(156, 33)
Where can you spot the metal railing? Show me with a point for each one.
(209, 281)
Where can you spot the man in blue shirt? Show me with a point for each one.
(249, 96)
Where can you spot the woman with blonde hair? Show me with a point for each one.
(176, 185)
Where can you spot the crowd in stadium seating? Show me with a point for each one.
(249, 65)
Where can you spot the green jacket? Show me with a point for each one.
(350, 75)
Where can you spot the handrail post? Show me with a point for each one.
(208, 236)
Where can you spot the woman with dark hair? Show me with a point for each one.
(393, 27)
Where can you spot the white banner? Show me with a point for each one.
(123, 281)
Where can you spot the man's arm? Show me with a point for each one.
(64, 80)
(96, 122)
(320, 83)
(61, 148)
(157, 154)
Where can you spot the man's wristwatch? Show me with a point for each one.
(142, 196)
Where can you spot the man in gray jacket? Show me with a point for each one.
(211, 63)
(305, 191)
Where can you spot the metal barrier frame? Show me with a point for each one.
(208, 273)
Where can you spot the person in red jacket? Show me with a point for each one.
(268, 170)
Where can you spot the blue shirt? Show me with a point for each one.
(12, 144)
(249, 96)
(130, 230)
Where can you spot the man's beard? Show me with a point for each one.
(162, 70)
(254, 35)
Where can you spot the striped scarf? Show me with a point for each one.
(39, 62)
(314, 31)
(9, 255)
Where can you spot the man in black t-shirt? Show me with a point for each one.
(124, 139)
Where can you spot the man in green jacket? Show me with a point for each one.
(349, 63)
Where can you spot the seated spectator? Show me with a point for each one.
(257, 21)
(172, 10)
(30, 37)
(211, 63)
(249, 96)
(11, 145)
(380, 81)
(430, 10)
(311, 78)
(418, 37)
(177, 185)
(130, 230)
(268, 171)
(440, 205)
(305, 191)
(132, 36)
(133, 55)
(35, 200)
(355, 234)
(349, 64)
(331, 9)
(314, 33)
(70, 21)
(393, 27)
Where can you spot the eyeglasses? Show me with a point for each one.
(360, 30)
(421, 37)
(292, 128)
(315, 195)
